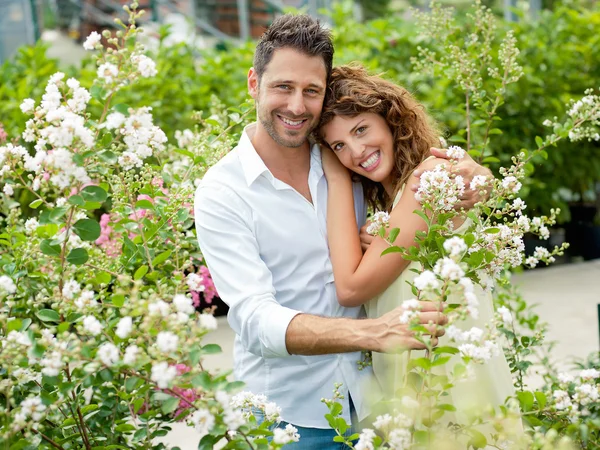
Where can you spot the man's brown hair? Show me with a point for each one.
(299, 32)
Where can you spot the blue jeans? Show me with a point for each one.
(317, 438)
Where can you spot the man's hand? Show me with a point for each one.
(468, 169)
(365, 238)
(394, 336)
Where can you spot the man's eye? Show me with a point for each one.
(285, 87)
(312, 91)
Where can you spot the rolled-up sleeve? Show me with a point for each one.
(224, 229)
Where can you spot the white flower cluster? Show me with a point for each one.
(248, 401)
(394, 430)
(379, 221)
(184, 138)
(504, 315)
(448, 269)
(195, 282)
(92, 41)
(411, 310)
(426, 281)
(202, 420)
(31, 409)
(139, 134)
(7, 285)
(283, 436)
(474, 344)
(587, 109)
(576, 393)
(441, 189)
(456, 247)
(58, 122)
(455, 152)
(163, 374)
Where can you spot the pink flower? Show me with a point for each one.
(210, 291)
(107, 241)
(3, 134)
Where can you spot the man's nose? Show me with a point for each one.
(296, 104)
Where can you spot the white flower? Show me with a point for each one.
(92, 325)
(454, 333)
(382, 423)
(124, 327)
(184, 138)
(466, 284)
(167, 342)
(531, 262)
(27, 105)
(8, 190)
(519, 205)
(183, 304)
(400, 439)
(365, 440)
(131, 354)
(195, 282)
(589, 374)
(234, 419)
(163, 374)
(380, 219)
(448, 269)
(586, 394)
(114, 120)
(561, 399)
(272, 412)
(52, 364)
(19, 337)
(108, 72)
(7, 285)
(285, 436)
(547, 123)
(70, 288)
(202, 420)
(108, 353)
(455, 246)
(512, 184)
(472, 304)
(33, 408)
(455, 152)
(159, 308)
(426, 281)
(128, 160)
(207, 321)
(86, 301)
(92, 40)
(565, 378)
(505, 315)
(31, 225)
(145, 65)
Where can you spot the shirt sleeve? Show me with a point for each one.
(360, 205)
(224, 229)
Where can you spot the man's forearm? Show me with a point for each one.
(313, 335)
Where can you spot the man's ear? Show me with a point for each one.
(253, 83)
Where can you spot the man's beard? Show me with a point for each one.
(296, 141)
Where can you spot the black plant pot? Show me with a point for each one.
(581, 233)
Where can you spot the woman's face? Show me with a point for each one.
(364, 144)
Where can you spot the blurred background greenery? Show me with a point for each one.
(559, 42)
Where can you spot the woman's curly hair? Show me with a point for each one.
(352, 91)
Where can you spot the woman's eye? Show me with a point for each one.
(337, 147)
(361, 130)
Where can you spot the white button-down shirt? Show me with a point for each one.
(266, 248)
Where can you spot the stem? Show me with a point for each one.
(47, 439)
(63, 251)
(84, 435)
(31, 190)
(468, 121)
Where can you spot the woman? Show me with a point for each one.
(381, 133)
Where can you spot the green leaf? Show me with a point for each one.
(49, 249)
(89, 206)
(34, 204)
(77, 256)
(446, 407)
(56, 214)
(478, 440)
(102, 278)
(144, 204)
(108, 157)
(48, 315)
(490, 159)
(76, 200)
(541, 399)
(492, 230)
(94, 194)
(13, 325)
(87, 229)
(394, 249)
(211, 349)
(161, 258)
(118, 300)
(122, 108)
(97, 93)
(526, 400)
(539, 141)
(125, 427)
(393, 234)
(142, 270)
(169, 405)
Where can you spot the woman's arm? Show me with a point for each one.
(358, 277)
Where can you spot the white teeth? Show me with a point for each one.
(372, 160)
(291, 122)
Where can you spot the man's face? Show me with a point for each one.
(289, 97)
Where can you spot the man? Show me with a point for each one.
(261, 224)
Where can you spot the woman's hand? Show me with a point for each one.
(332, 166)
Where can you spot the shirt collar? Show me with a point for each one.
(253, 165)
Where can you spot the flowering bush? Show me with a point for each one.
(101, 345)
(455, 263)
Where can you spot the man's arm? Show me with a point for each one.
(244, 282)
